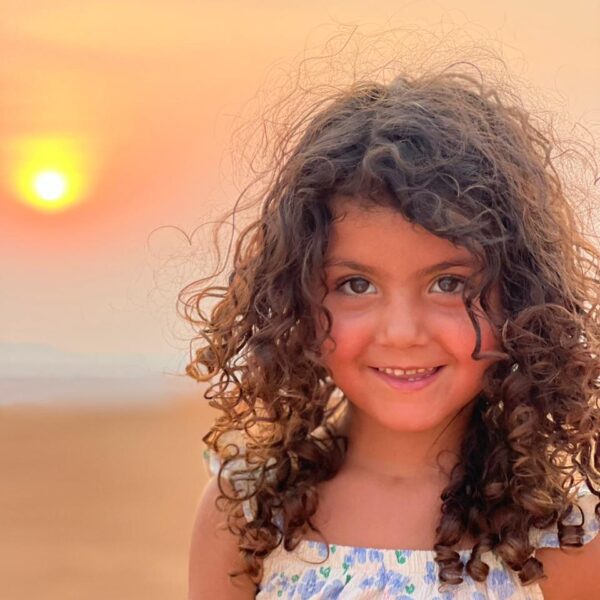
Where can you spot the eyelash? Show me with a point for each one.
(349, 279)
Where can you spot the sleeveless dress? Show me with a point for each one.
(359, 573)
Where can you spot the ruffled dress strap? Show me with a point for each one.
(237, 473)
(243, 485)
(587, 501)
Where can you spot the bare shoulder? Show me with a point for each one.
(573, 573)
(213, 554)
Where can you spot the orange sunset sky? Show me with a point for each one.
(136, 102)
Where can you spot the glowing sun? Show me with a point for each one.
(50, 185)
(50, 174)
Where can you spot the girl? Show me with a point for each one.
(406, 362)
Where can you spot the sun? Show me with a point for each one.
(50, 174)
(50, 186)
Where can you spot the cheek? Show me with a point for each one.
(350, 334)
(451, 332)
(461, 332)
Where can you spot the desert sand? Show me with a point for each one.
(99, 504)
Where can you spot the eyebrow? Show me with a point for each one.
(445, 264)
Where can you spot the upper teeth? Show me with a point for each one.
(399, 372)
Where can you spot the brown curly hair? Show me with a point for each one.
(470, 164)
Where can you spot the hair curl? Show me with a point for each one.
(471, 165)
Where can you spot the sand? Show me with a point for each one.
(99, 504)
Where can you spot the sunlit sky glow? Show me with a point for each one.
(49, 174)
(117, 118)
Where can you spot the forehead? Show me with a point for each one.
(362, 227)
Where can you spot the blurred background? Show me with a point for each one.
(118, 126)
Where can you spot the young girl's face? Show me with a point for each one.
(394, 293)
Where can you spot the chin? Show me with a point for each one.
(416, 420)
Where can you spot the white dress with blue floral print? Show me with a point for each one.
(357, 573)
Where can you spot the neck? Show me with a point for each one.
(421, 457)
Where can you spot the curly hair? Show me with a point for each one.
(469, 164)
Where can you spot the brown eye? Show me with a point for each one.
(449, 284)
(355, 286)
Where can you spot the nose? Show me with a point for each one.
(401, 323)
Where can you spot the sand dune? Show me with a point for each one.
(98, 504)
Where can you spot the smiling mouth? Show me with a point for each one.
(410, 375)
(417, 372)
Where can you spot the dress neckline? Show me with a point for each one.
(306, 543)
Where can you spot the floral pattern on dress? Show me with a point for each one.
(353, 573)
(324, 583)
